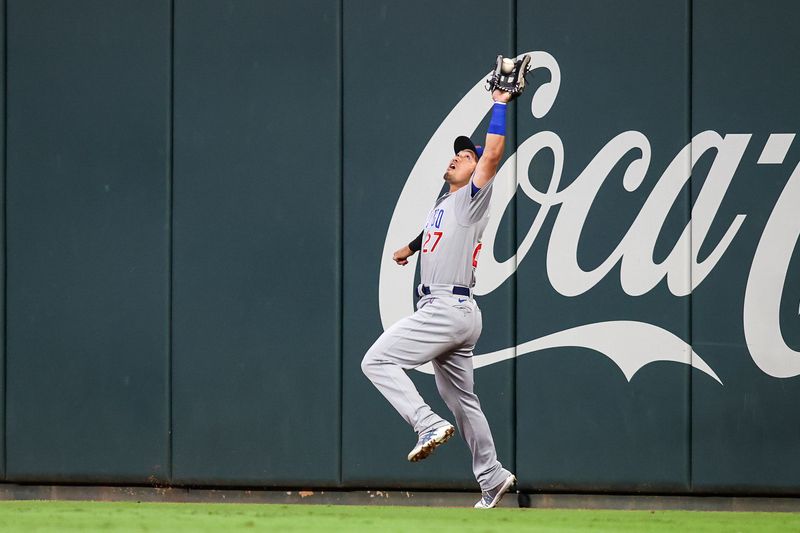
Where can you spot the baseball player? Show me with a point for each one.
(447, 323)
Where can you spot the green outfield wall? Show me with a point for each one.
(201, 197)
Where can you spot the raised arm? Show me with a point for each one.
(495, 141)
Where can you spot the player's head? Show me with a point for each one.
(463, 163)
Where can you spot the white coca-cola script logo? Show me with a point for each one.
(630, 344)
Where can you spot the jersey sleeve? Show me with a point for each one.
(472, 203)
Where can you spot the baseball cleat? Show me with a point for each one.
(490, 498)
(428, 442)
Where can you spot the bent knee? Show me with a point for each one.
(368, 364)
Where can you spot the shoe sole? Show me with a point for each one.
(426, 450)
(507, 484)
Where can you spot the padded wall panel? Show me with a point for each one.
(426, 56)
(256, 265)
(581, 425)
(2, 223)
(745, 84)
(87, 240)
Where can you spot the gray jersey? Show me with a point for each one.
(451, 237)
(443, 332)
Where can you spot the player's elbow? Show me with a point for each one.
(492, 157)
(493, 151)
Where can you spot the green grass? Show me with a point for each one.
(184, 517)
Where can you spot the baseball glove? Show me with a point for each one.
(511, 82)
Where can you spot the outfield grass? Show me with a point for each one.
(26, 516)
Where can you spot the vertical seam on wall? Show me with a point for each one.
(340, 234)
(170, 202)
(5, 239)
(514, 239)
(690, 54)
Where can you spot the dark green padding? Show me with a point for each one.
(745, 435)
(197, 195)
(3, 255)
(426, 56)
(256, 210)
(87, 241)
(580, 424)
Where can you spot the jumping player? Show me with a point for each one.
(447, 323)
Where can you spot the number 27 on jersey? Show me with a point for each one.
(436, 236)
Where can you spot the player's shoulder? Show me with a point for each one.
(463, 191)
(470, 191)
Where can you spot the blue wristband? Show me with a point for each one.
(497, 125)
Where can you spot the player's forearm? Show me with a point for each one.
(494, 146)
(401, 256)
(493, 149)
(416, 244)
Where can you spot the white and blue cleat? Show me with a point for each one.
(490, 498)
(428, 442)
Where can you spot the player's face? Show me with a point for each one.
(460, 168)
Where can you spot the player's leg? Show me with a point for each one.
(407, 344)
(454, 379)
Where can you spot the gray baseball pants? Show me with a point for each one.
(444, 330)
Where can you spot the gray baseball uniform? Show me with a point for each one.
(443, 330)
